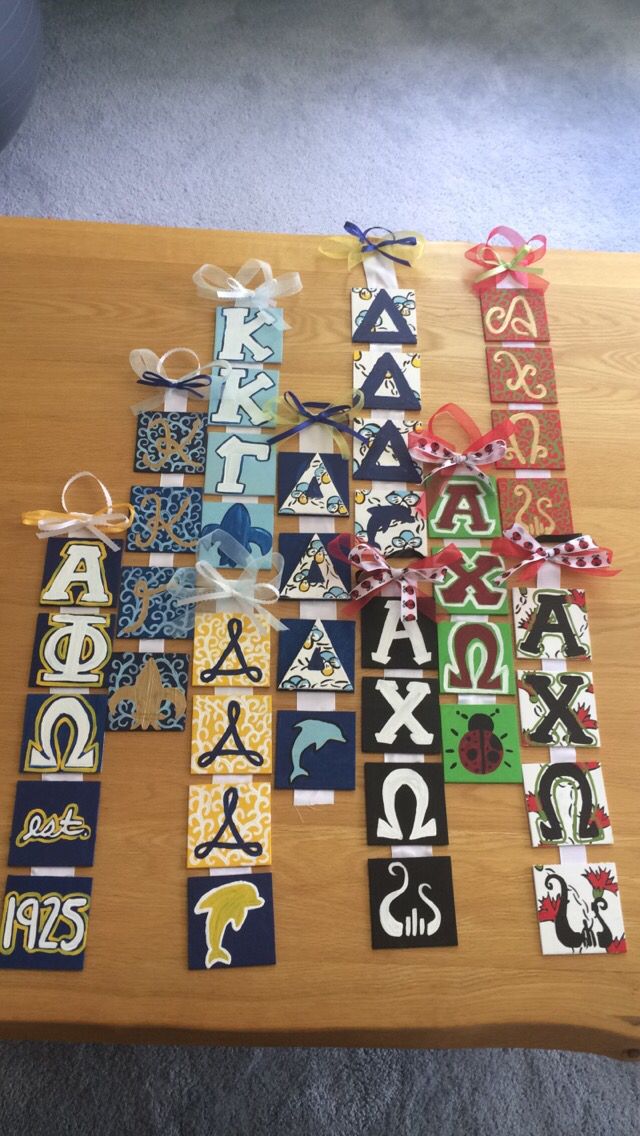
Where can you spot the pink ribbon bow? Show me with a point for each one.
(518, 263)
(483, 449)
(579, 552)
(374, 573)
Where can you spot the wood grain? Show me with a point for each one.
(74, 299)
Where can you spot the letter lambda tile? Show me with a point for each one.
(44, 922)
(480, 743)
(578, 908)
(405, 804)
(249, 335)
(558, 709)
(315, 751)
(148, 606)
(170, 443)
(63, 733)
(513, 315)
(317, 655)
(566, 803)
(168, 518)
(386, 642)
(147, 691)
(521, 374)
(400, 715)
(71, 649)
(469, 586)
(54, 824)
(390, 381)
(382, 454)
(475, 658)
(537, 441)
(229, 825)
(251, 525)
(231, 922)
(231, 734)
(309, 572)
(394, 522)
(80, 573)
(551, 623)
(378, 316)
(313, 485)
(230, 649)
(242, 396)
(465, 508)
(540, 504)
(412, 903)
(240, 465)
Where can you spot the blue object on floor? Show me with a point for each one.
(20, 53)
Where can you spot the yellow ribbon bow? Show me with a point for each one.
(110, 520)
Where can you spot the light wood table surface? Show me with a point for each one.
(74, 299)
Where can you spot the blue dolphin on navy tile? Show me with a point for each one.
(315, 750)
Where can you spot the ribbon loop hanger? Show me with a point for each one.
(484, 449)
(110, 520)
(521, 264)
(214, 283)
(579, 552)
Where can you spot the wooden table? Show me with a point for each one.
(74, 299)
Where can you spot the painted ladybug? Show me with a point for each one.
(480, 750)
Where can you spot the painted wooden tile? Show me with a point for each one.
(382, 454)
(231, 922)
(167, 518)
(317, 655)
(63, 733)
(464, 509)
(521, 374)
(514, 314)
(379, 316)
(80, 573)
(480, 743)
(148, 607)
(551, 623)
(148, 690)
(315, 750)
(388, 381)
(476, 657)
(242, 396)
(393, 521)
(231, 734)
(405, 804)
(170, 442)
(412, 903)
(250, 524)
(71, 649)
(401, 715)
(537, 442)
(558, 709)
(313, 485)
(309, 571)
(240, 465)
(386, 642)
(540, 504)
(44, 922)
(469, 586)
(54, 824)
(578, 908)
(229, 825)
(230, 649)
(566, 803)
(248, 335)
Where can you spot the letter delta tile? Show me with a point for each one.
(167, 518)
(514, 314)
(251, 525)
(230, 649)
(401, 715)
(231, 922)
(149, 608)
(231, 734)
(315, 751)
(521, 374)
(170, 442)
(578, 908)
(240, 465)
(63, 733)
(394, 522)
(317, 655)
(71, 649)
(229, 825)
(386, 642)
(469, 586)
(540, 504)
(44, 922)
(382, 454)
(313, 485)
(551, 623)
(558, 709)
(390, 381)
(566, 803)
(412, 903)
(537, 442)
(480, 743)
(242, 396)
(378, 316)
(147, 691)
(464, 509)
(248, 335)
(476, 657)
(405, 804)
(54, 824)
(80, 573)
(309, 572)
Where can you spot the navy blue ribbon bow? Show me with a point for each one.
(368, 245)
(314, 413)
(192, 384)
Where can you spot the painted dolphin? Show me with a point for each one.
(313, 733)
(381, 517)
(237, 522)
(227, 904)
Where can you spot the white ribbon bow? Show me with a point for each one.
(214, 283)
(250, 596)
(77, 524)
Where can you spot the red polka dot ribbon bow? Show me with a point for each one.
(483, 449)
(375, 573)
(520, 261)
(575, 552)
